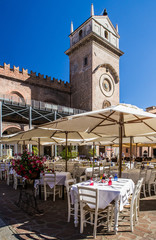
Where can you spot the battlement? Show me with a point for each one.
(33, 78)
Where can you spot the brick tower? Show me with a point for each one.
(94, 63)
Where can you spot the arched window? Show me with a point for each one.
(17, 96)
(80, 34)
(106, 104)
(106, 34)
(11, 130)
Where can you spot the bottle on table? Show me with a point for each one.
(110, 182)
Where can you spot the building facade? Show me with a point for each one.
(94, 74)
(94, 83)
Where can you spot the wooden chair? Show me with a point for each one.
(143, 174)
(76, 172)
(68, 184)
(96, 171)
(55, 190)
(59, 167)
(83, 178)
(18, 180)
(89, 210)
(2, 171)
(131, 210)
(138, 198)
(152, 182)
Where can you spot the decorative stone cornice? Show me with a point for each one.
(94, 37)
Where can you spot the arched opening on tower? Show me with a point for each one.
(80, 34)
(17, 97)
(106, 34)
(11, 130)
(106, 104)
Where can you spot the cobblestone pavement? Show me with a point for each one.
(52, 223)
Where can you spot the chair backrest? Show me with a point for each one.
(88, 196)
(152, 176)
(49, 177)
(140, 182)
(106, 170)
(68, 185)
(2, 166)
(76, 171)
(135, 193)
(143, 174)
(83, 178)
(96, 171)
(137, 165)
(59, 167)
(51, 165)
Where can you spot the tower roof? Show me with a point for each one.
(103, 20)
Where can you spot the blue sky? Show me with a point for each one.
(34, 35)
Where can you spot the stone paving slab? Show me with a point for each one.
(5, 232)
(52, 223)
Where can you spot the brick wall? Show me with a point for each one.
(33, 87)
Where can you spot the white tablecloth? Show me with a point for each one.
(120, 190)
(133, 174)
(61, 177)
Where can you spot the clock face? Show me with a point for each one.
(106, 85)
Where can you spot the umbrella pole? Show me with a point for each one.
(120, 143)
(66, 157)
(136, 149)
(93, 153)
(131, 139)
(38, 146)
(24, 148)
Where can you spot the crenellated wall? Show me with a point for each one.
(33, 86)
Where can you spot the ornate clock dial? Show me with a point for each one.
(106, 85)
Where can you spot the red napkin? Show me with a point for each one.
(92, 183)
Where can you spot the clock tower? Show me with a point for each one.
(94, 63)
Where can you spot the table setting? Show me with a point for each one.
(112, 188)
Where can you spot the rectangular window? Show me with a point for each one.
(85, 61)
(126, 150)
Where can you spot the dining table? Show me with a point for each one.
(119, 191)
(61, 178)
(133, 174)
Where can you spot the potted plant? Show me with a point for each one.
(28, 165)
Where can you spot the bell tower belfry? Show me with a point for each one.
(94, 63)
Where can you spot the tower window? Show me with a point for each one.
(126, 150)
(106, 34)
(80, 34)
(85, 61)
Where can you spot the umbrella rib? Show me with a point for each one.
(136, 120)
(114, 139)
(101, 122)
(54, 140)
(94, 117)
(80, 135)
(53, 134)
(105, 125)
(149, 138)
(108, 118)
(145, 123)
(97, 117)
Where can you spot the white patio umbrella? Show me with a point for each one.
(122, 120)
(53, 134)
